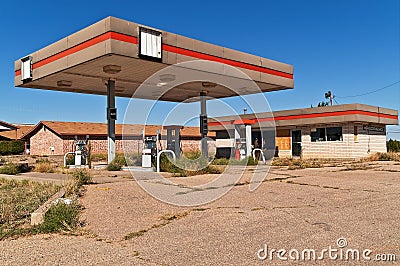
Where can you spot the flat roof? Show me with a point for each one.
(311, 116)
(79, 59)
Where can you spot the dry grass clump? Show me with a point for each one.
(44, 166)
(384, 156)
(14, 169)
(357, 166)
(297, 163)
(18, 199)
(9, 169)
(285, 161)
(79, 177)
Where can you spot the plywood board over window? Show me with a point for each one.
(283, 139)
(355, 133)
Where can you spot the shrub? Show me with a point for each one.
(167, 166)
(221, 161)
(133, 159)
(97, 157)
(11, 147)
(9, 169)
(114, 167)
(79, 177)
(197, 167)
(249, 161)
(60, 217)
(82, 177)
(70, 160)
(384, 157)
(118, 162)
(120, 159)
(24, 167)
(192, 155)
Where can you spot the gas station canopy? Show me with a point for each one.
(130, 53)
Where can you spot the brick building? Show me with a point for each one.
(58, 138)
(341, 131)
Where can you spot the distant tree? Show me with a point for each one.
(11, 147)
(393, 145)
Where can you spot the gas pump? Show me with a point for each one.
(151, 145)
(149, 152)
(243, 140)
(174, 139)
(240, 149)
(81, 151)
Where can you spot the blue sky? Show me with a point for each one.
(349, 47)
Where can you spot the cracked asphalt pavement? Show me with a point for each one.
(292, 209)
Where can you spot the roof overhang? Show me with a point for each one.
(75, 63)
(6, 126)
(345, 113)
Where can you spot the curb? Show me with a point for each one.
(37, 217)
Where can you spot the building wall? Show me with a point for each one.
(367, 143)
(100, 145)
(41, 142)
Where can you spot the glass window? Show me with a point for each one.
(334, 134)
(318, 135)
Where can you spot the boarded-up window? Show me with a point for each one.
(283, 139)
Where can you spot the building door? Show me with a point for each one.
(296, 143)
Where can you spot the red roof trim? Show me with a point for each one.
(165, 47)
(243, 122)
(230, 62)
(307, 116)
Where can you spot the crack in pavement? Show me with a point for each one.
(280, 179)
(330, 187)
(166, 219)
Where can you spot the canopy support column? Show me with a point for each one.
(203, 124)
(111, 117)
(248, 140)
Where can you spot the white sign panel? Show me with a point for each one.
(373, 128)
(26, 68)
(225, 143)
(150, 43)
